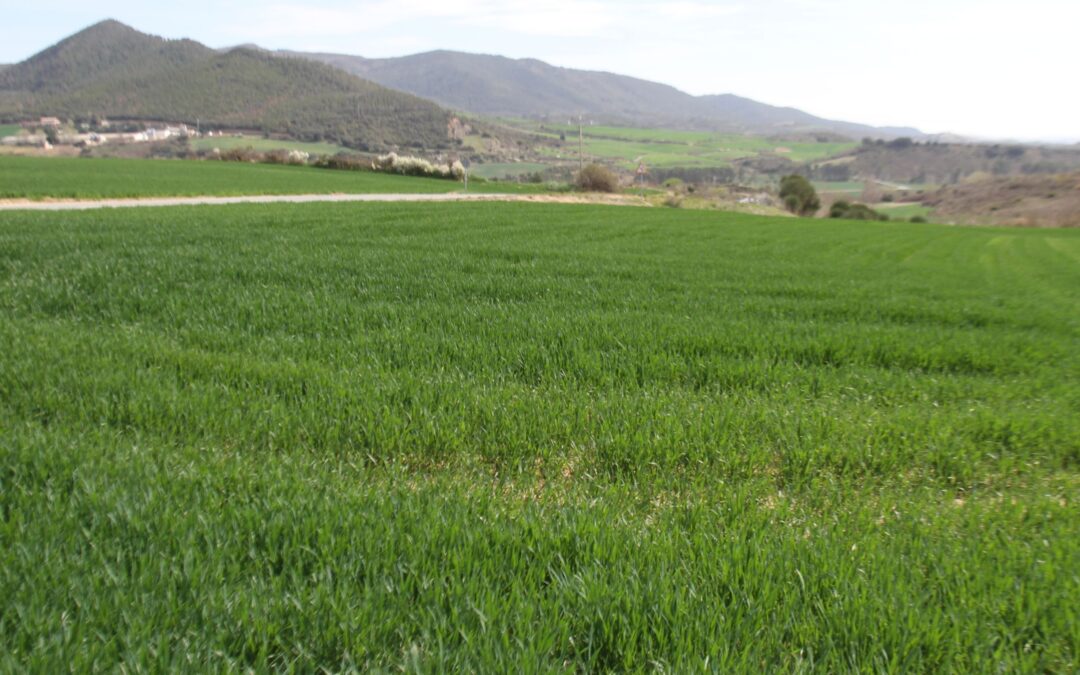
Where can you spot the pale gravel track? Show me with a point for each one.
(88, 204)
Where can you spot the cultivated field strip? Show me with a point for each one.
(59, 178)
(492, 437)
(150, 202)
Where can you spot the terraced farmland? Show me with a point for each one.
(493, 437)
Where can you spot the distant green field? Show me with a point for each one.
(501, 170)
(845, 187)
(38, 178)
(665, 148)
(904, 211)
(265, 144)
(535, 438)
(9, 130)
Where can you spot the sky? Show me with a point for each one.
(982, 68)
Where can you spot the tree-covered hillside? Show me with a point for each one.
(111, 70)
(499, 86)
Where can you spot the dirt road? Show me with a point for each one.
(86, 204)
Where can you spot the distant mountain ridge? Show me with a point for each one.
(500, 86)
(114, 71)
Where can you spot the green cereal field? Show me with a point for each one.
(526, 438)
(665, 148)
(81, 178)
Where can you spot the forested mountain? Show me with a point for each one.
(111, 70)
(105, 52)
(496, 85)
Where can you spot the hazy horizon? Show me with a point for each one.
(980, 69)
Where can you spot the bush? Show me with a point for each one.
(918, 219)
(275, 157)
(285, 157)
(415, 166)
(799, 195)
(839, 208)
(843, 209)
(344, 162)
(247, 154)
(596, 178)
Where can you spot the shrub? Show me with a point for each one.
(918, 219)
(596, 178)
(344, 162)
(247, 154)
(416, 166)
(276, 157)
(839, 208)
(799, 195)
(843, 209)
(296, 157)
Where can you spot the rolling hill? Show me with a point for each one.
(949, 163)
(1025, 201)
(500, 86)
(112, 70)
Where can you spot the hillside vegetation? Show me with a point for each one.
(112, 71)
(1029, 201)
(903, 161)
(499, 86)
(517, 438)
